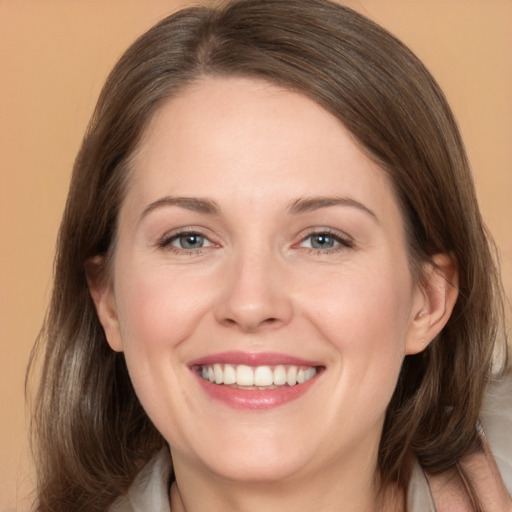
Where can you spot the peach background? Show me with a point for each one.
(54, 56)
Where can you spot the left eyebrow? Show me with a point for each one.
(308, 204)
(195, 204)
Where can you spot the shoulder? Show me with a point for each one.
(150, 489)
(486, 469)
(419, 498)
(496, 421)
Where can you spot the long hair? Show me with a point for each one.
(92, 435)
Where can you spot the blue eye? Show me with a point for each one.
(322, 241)
(190, 241)
(325, 241)
(185, 241)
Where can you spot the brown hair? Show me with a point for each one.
(91, 432)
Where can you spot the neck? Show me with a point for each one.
(321, 491)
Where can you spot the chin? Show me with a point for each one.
(264, 461)
(259, 469)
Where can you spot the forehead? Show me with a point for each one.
(234, 138)
(226, 111)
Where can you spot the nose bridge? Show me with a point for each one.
(254, 294)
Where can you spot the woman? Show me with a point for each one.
(272, 269)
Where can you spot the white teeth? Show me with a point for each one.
(263, 376)
(309, 373)
(218, 374)
(258, 376)
(291, 376)
(244, 375)
(229, 374)
(279, 375)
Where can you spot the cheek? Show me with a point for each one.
(157, 309)
(365, 316)
(158, 312)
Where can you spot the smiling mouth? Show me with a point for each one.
(263, 377)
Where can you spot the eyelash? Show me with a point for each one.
(166, 243)
(341, 242)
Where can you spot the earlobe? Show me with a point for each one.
(103, 297)
(436, 298)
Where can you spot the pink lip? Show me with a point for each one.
(253, 359)
(254, 399)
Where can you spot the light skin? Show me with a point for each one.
(299, 249)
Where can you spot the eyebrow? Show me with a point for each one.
(298, 206)
(308, 204)
(194, 204)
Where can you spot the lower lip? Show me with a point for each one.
(255, 399)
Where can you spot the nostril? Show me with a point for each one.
(252, 311)
(249, 325)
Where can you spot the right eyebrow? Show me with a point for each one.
(307, 204)
(194, 204)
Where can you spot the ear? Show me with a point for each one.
(103, 297)
(434, 301)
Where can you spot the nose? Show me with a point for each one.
(254, 294)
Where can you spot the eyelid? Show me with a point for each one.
(177, 237)
(165, 241)
(343, 240)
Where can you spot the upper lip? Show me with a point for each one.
(253, 359)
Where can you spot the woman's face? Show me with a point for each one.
(257, 241)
